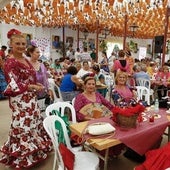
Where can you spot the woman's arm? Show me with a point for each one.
(76, 80)
(104, 101)
(78, 104)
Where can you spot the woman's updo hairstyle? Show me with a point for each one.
(87, 77)
(96, 68)
(121, 53)
(30, 49)
(13, 33)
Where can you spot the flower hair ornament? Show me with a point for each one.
(87, 76)
(12, 32)
(33, 43)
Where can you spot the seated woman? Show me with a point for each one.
(122, 95)
(162, 82)
(89, 96)
(69, 84)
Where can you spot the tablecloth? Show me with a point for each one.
(140, 139)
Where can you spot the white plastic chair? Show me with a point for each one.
(109, 81)
(56, 90)
(73, 101)
(143, 92)
(61, 106)
(146, 83)
(83, 160)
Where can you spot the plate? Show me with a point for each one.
(168, 111)
(144, 119)
(157, 116)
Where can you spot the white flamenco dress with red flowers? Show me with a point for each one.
(27, 143)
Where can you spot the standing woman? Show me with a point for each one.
(104, 63)
(27, 143)
(121, 64)
(41, 72)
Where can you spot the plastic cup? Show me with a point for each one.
(151, 119)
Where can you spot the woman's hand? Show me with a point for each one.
(39, 87)
(35, 87)
(51, 95)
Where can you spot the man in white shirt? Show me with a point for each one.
(84, 70)
(70, 53)
(77, 54)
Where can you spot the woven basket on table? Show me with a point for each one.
(127, 121)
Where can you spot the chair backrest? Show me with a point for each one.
(49, 126)
(55, 89)
(63, 108)
(143, 82)
(73, 101)
(49, 123)
(143, 92)
(108, 80)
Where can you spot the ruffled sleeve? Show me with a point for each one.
(18, 78)
(104, 101)
(79, 103)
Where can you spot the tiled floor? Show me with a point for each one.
(120, 163)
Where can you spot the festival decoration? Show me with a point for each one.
(149, 16)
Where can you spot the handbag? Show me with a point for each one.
(100, 128)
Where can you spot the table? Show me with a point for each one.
(101, 143)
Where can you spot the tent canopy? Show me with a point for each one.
(148, 15)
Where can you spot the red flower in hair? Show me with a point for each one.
(12, 32)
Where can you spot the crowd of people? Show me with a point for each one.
(79, 76)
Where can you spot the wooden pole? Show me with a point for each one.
(64, 42)
(125, 32)
(97, 39)
(78, 36)
(165, 34)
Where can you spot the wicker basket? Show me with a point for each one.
(127, 121)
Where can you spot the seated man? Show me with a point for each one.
(84, 70)
(141, 74)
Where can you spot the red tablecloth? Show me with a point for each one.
(143, 137)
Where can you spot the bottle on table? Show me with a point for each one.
(156, 106)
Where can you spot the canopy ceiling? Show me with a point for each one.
(148, 15)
